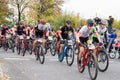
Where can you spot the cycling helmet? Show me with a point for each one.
(68, 21)
(43, 22)
(90, 22)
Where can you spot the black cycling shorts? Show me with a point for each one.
(83, 40)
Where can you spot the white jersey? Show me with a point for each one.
(43, 27)
(85, 32)
(100, 30)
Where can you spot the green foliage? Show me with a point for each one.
(59, 20)
(4, 12)
(116, 24)
(43, 8)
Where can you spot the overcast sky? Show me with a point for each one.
(89, 8)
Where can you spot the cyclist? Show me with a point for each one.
(102, 30)
(4, 30)
(20, 30)
(64, 32)
(41, 31)
(84, 34)
(97, 20)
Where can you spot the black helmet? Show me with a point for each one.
(90, 22)
(68, 21)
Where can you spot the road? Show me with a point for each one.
(17, 67)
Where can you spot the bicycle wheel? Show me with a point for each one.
(52, 48)
(18, 48)
(103, 61)
(70, 56)
(30, 46)
(112, 55)
(23, 51)
(76, 49)
(46, 48)
(5, 46)
(13, 50)
(92, 66)
(11, 45)
(41, 56)
(81, 66)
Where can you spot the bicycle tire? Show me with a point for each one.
(103, 54)
(92, 58)
(69, 55)
(41, 56)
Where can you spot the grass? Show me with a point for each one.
(118, 33)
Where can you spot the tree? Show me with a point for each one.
(5, 12)
(44, 8)
(20, 5)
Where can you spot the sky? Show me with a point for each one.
(92, 8)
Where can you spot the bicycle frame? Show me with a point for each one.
(85, 55)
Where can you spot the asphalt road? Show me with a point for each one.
(17, 67)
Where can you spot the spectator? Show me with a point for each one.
(110, 22)
(97, 20)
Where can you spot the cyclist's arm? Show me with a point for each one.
(97, 34)
(59, 33)
(77, 35)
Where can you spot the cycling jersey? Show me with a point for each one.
(20, 30)
(4, 30)
(100, 30)
(85, 32)
(40, 30)
(65, 31)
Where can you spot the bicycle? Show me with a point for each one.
(102, 57)
(8, 43)
(68, 52)
(51, 43)
(40, 52)
(27, 46)
(88, 59)
(19, 45)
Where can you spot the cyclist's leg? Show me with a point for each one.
(34, 44)
(81, 52)
(43, 42)
(82, 40)
(3, 40)
(17, 39)
(61, 46)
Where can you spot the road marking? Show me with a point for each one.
(53, 59)
(15, 59)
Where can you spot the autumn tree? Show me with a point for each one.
(20, 5)
(4, 11)
(44, 8)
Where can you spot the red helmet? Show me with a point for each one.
(43, 22)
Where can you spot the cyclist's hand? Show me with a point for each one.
(61, 39)
(77, 41)
(100, 43)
